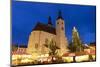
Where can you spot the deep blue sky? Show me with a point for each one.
(25, 16)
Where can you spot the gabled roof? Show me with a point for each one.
(45, 27)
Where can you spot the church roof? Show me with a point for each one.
(23, 46)
(45, 27)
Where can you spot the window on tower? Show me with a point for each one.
(62, 28)
(62, 22)
(57, 22)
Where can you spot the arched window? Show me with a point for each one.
(36, 45)
(62, 22)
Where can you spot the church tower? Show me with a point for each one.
(49, 21)
(61, 39)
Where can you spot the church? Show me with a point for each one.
(41, 32)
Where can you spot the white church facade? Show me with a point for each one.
(41, 32)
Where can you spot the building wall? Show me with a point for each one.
(37, 40)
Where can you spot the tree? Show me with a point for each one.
(14, 47)
(76, 42)
(53, 48)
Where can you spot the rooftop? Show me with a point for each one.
(45, 27)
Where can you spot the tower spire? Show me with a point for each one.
(49, 21)
(59, 15)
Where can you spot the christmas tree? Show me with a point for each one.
(76, 42)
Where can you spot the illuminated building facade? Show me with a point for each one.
(42, 32)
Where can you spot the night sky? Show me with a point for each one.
(25, 16)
